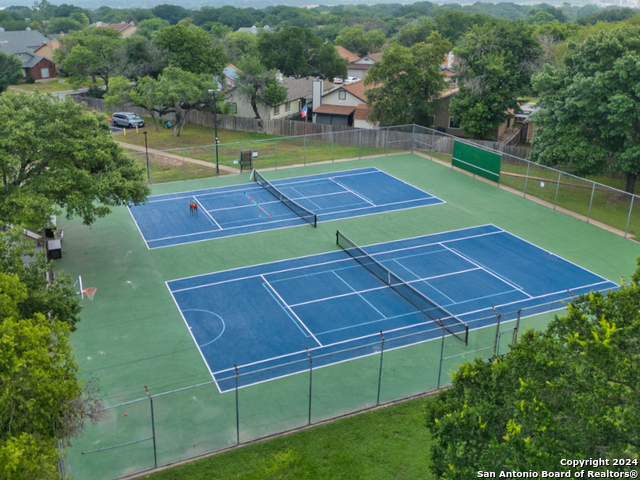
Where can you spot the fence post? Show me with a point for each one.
(495, 341)
(275, 152)
(310, 383)
(526, 180)
(591, 202)
(380, 372)
(629, 217)
(240, 155)
(433, 139)
(360, 141)
(514, 340)
(237, 408)
(184, 167)
(331, 146)
(386, 146)
(413, 136)
(153, 430)
(304, 148)
(555, 200)
(441, 356)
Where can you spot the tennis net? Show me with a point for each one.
(296, 208)
(435, 312)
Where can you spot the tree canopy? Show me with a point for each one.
(589, 114)
(54, 155)
(10, 70)
(494, 69)
(570, 392)
(409, 96)
(261, 85)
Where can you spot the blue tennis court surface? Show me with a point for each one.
(165, 220)
(263, 318)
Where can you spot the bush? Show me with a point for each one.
(95, 92)
(30, 80)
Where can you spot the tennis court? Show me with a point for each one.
(263, 318)
(166, 220)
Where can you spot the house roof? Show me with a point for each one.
(359, 66)
(21, 41)
(29, 60)
(362, 112)
(376, 57)
(334, 109)
(344, 53)
(302, 87)
(121, 27)
(356, 89)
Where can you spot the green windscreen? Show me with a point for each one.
(477, 161)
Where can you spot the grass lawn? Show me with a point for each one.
(51, 87)
(391, 443)
(192, 136)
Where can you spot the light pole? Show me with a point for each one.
(215, 124)
(146, 149)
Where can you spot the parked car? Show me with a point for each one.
(350, 80)
(337, 80)
(127, 120)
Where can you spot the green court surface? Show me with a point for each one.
(132, 334)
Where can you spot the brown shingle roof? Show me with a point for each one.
(344, 53)
(358, 89)
(334, 109)
(301, 87)
(362, 112)
(376, 57)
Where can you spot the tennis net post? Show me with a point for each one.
(424, 304)
(295, 207)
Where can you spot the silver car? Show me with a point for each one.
(127, 120)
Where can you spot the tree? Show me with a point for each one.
(144, 94)
(93, 52)
(54, 155)
(260, 84)
(64, 24)
(238, 44)
(596, 90)
(297, 52)
(413, 33)
(10, 70)
(141, 58)
(171, 13)
(356, 40)
(572, 391)
(495, 67)
(411, 95)
(148, 28)
(190, 49)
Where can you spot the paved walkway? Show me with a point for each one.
(180, 158)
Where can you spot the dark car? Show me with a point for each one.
(127, 120)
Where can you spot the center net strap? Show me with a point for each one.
(299, 210)
(435, 312)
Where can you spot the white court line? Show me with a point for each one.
(356, 194)
(194, 338)
(208, 215)
(289, 308)
(504, 280)
(358, 293)
(138, 227)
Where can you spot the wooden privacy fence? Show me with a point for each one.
(434, 141)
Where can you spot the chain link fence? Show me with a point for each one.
(162, 429)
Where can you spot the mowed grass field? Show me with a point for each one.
(390, 443)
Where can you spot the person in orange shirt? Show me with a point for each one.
(194, 208)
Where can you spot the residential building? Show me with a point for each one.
(255, 29)
(358, 66)
(23, 44)
(338, 106)
(48, 48)
(125, 29)
(299, 95)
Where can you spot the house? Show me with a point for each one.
(343, 105)
(230, 73)
(125, 29)
(255, 29)
(23, 44)
(48, 48)
(299, 95)
(358, 66)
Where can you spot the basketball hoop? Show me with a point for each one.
(90, 292)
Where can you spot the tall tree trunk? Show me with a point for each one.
(255, 109)
(631, 182)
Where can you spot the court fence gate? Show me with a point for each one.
(161, 429)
